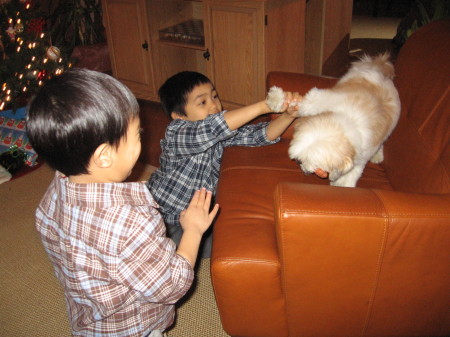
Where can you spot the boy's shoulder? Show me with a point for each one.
(99, 195)
(122, 210)
(211, 122)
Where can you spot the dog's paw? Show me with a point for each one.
(378, 157)
(275, 99)
(343, 182)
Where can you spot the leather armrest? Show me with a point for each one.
(359, 250)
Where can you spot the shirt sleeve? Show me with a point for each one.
(149, 264)
(187, 137)
(251, 135)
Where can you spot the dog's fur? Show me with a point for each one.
(344, 127)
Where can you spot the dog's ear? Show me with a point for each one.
(386, 66)
(389, 71)
(384, 56)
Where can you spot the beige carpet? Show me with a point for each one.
(31, 300)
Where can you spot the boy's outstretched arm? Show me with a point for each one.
(239, 117)
(195, 220)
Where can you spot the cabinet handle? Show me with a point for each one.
(206, 54)
(145, 45)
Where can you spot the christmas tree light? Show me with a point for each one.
(27, 56)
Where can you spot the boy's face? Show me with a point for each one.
(202, 101)
(127, 154)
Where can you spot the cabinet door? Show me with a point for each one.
(328, 26)
(126, 24)
(234, 33)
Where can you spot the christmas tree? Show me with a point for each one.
(27, 55)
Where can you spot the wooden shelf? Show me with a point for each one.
(182, 45)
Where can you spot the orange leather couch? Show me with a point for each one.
(293, 256)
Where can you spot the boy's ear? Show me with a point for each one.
(176, 115)
(102, 156)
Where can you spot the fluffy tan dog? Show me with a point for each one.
(344, 127)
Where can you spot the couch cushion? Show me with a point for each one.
(275, 158)
(247, 183)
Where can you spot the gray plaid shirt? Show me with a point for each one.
(191, 158)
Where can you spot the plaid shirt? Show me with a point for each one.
(107, 243)
(191, 157)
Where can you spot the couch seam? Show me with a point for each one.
(245, 260)
(379, 263)
(425, 215)
(282, 265)
(257, 168)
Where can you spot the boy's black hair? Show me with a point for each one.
(74, 113)
(175, 90)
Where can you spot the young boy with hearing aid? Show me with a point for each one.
(120, 273)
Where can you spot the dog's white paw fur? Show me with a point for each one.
(311, 103)
(275, 99)
(378, 157)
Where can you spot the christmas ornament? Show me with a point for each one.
(11, 33)
(19, 27)
(42, 75)
(31, 74)
(53, 53)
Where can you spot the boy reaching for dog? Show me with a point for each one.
(120, 273)
(195, 139)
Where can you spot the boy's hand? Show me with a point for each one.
(291, 103)
(278, 100)
(197, 218)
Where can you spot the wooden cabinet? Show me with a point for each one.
(328, 26)
(129, 45)
(235, 37)
(247, 39)
(243, 41)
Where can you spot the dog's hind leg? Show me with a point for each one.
(378, 157)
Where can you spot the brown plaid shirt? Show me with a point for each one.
(107, 242)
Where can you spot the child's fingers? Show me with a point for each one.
(213, 212)
(195, 198)
(201, 198)
(287, 95)
(207, 200)
(296, 96)
(291, 100)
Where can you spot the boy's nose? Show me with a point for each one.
(213, 109)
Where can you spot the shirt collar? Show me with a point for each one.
(103, 194)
